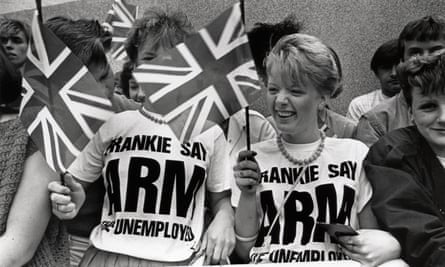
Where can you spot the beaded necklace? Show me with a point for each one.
(153, 118)
(306, 161)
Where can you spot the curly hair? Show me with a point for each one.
(424, 72)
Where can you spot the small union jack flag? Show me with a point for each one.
(63, 105)
(207, 78)
(121, 17)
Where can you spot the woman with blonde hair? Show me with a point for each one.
(293, 183)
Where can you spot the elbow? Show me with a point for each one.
(18, 255)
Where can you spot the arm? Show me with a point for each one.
(29, 214)
(219, 239)
(353, 112)
(371, 247)
(368, 130)
(247, 176)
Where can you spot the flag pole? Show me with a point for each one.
(39, 10)
(246, 109)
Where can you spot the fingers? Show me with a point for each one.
(246, 155)
(217, 248)
(57, 187)
(71, 183)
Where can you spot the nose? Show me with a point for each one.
(394, 72)
(8, 44)
(282, 98)
(140, 95)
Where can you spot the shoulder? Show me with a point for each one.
(385, 108)
(359, 100)
(345, 144)
(396, 144)
(267, 146)
(402, 137)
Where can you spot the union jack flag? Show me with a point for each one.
(207, 78)
(63, 105)
(121, 17)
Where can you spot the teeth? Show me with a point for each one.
(285, 113)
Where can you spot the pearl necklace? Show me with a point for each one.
(306, 161)
(153, 118)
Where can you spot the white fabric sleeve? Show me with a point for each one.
(364, 193)
(353, 111)
(220, 172)
(89, 163)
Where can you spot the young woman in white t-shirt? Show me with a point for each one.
(302, 178)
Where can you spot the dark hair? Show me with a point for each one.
(125, 76)
(264, 36)
(10, 27)
(386, 56)
(10, 79)
(166, 29)
(428, 28)
(424, 72)
(85, 38)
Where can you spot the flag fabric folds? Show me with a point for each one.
(121, 17)
(63, 105)
(207, 78)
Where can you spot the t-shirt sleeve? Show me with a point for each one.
(367, 130)
(88, 165)
(365, 188)
(267, 130)
(220, 171)
(353, 111)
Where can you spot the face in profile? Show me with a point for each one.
(135, 92)
(429, 116)
(422, 48)
(293, 107)
(103, 74)
(16, 47)
(148, 50)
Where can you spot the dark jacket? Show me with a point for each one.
(408, 199)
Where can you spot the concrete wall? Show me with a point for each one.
(354, 28)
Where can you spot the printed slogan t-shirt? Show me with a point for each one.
(155, 186)
(333, 189)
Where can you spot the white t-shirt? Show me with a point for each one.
(333, 189)
(154, 202)
(364, 103)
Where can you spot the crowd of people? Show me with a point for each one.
(378, 171)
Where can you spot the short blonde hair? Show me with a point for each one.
(305, 59)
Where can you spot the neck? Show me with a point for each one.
(303, 137)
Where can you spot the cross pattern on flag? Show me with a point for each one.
(207, 78)
(63, 105)
(121, 17)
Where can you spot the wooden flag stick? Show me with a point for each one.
(247, 108)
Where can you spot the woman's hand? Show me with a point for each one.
(219, 240)
(66, 200)
(247, 172)
(371, 247)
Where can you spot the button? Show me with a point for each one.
(442, 211)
